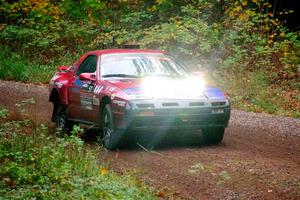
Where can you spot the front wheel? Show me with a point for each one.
(60, 117)
(111, 136)
(213, 135)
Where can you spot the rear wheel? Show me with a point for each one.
(213, 135)
(60, 117)
(111, 137)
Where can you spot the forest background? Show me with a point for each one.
(243, 45)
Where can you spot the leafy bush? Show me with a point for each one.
(45, 167)
(185, 37)
(255, 39)
(251, 91)
(237, 38)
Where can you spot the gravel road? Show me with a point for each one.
(258, 159)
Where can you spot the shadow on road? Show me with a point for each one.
(152, 140)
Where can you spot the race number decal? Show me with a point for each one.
(86, 95)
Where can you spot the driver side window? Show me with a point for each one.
(88, 65)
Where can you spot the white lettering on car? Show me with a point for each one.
(58, 84)
(96, 101)
(113, 95)
(120, 103)
(98, 89)
(111, 89)
(90, 88)
(86, 100)
(53, 79)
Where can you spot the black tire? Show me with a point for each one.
(60, 117)
(213, 135)
(111, 137)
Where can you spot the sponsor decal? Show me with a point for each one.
(90, 88)
(78, 83)
(113, 96)
(85, 85)
(111, 89)
(96, 100)
(98, 89)
(119, 103)
(53, 79)
(58, 84)
(86, 95)
(86, 100)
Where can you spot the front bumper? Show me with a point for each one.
(173, 114)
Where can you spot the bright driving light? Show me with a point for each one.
(195, 83)
(191, 87)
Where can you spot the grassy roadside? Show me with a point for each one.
(42, 166)
(249, 91)
(252, 91)
(18, 67)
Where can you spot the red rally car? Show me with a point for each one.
(120, 90)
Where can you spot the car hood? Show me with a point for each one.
(134, 85)
(126, 83)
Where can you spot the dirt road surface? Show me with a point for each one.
(259, 157)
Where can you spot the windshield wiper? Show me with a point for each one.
(120, 75)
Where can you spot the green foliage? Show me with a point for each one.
(256, 39)
(19, 67)
(252, 91)
(76, 131)
(3, 113)
(46, 40)
(45, 167)
(82, 9)
(186, 36)
(228, 36)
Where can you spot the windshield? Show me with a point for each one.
(140, 65)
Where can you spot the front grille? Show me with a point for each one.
(169, 104)
(176, 117)
(196, 104)
(171, 112)
(145, 105)
(218, 103)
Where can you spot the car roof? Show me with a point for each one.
(109, 51)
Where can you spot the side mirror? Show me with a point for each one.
(62, 68)
(87, 76)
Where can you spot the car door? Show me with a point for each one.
(81, 91)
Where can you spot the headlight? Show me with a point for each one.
(191, 87)
(156, 87)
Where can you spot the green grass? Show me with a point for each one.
(16, 66)
(42, 166)
(252, 91)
